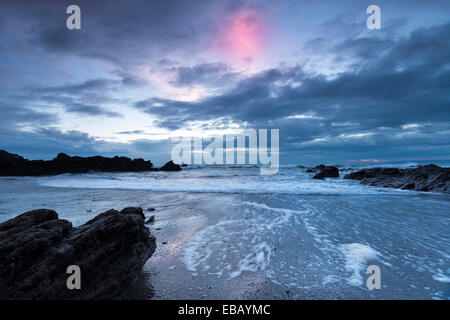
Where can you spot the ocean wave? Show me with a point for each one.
(215, 180)
(217, 184)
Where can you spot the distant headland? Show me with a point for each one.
(15, 165)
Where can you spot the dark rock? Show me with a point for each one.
(170, 166)
(184, 165)
(325, 172)
(10, 157)
(36, 248)
(320, 175)
(422, 178)
(150, 209)
(150, 220)
(134, 210)
(14, 165)
(316, 168)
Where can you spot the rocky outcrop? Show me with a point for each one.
(316, 168)
(422, 178)
(170, 166)
(324, 172)
(15, 165)
(36, 248)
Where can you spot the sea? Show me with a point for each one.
(228, 232)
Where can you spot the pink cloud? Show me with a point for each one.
(243, 36)
(368, 160)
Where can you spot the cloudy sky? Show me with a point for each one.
(141, 74)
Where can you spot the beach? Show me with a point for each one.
(230, 233)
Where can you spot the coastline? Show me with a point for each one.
(229, 233)
(285, 222)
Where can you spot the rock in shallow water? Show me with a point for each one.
(36, 248)
(324, 172)
(151, 219)
(170, 166)
(422, 178)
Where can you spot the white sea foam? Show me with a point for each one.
(330, 279)
(214, 180)
(306, 244)
(223, 249)
(257, 259)
(197, 252)
(356, 257)
(441, 278)
(232, 247)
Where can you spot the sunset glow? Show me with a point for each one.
(368, 160)
(244, 35)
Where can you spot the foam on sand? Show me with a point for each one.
(357, 256)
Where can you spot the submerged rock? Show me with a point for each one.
(15, 165)
(151, 219)
(36, 248)
(422, 178)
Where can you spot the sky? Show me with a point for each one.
(140, 75)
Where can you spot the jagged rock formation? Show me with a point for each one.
(15, 165)
(324, 172)
(170, 166)
(36, 248)
(422, 178)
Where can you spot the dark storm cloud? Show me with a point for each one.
(46, 143)
(14, 114)
(391, 79)
(85, 109)
(90, 98)
(401, 83)
(131, 132)
(391, 84)
(121, 31)
(58, 39)
(212, 74)
(249, 100)
(94, 85)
